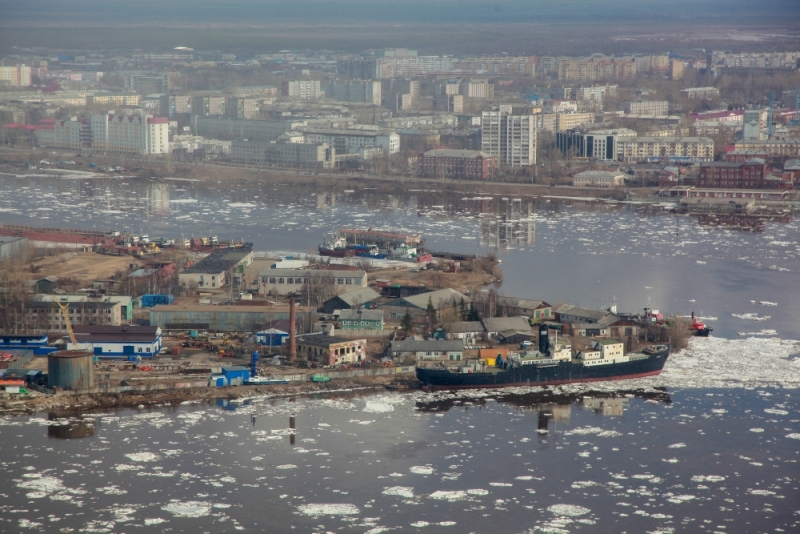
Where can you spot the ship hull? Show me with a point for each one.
(332, 252)
(563, 373)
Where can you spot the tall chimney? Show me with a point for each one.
(292, 330)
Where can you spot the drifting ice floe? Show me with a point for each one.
(188, 508)
(328, 509)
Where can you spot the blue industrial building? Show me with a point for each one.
(119, 342)
(230, 376)
(272, 337)
(22, 341)
(152, 300)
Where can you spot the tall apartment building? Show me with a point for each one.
(207, 105)
(15, 75)
(172, 105)
(241, 107)
(138, 134)
(252, 129)
(368, 91)
(521, 65)
(675, 69)
(752, 125)
(508, 137)
(477, 88)
(646, 107)
(587, 70)
(135, 134)
(145, 83)
(302, 89)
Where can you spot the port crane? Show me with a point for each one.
(65, 313)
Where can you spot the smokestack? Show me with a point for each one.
(292, 331)
(543, 337)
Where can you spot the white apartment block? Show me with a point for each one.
(476, 88)
(139, 134)
(560, 106)
(646, 107)
(510, 138)
(637, 149)
(700, 92)
(304, 90)
(596, 93)
(352, 141)
(136, 134)
(16, 76)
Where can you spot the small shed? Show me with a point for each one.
(47, 284)
(236, 376)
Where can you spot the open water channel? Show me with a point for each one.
(711, 445)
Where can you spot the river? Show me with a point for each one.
(711, 445)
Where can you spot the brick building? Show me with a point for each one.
(331, 350)
(466, 164)
(750, 174)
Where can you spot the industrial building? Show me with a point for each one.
(417, 305)
(364, 297)
(361, 320)
(47, 316)
(219, 318)
(331, 350)
(463, 164)
(431, 349)
(598, 179)
(212, 271)
(285, 281)
(125, 342)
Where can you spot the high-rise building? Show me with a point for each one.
(16, 76)
(137, 134)
(302, 89)
(509, 137)
(752, 124)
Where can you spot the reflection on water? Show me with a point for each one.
(69, 428)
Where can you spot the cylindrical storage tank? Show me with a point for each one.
(70, 369)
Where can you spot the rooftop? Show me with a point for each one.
(321, 340)
(361, 315)
(427, 345)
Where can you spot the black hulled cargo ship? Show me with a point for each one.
(552, 364)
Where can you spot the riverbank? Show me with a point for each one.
(14, 161)
(65, 405)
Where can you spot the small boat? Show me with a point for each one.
(264, 381)
(699, 327)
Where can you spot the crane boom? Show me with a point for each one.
(65, 313)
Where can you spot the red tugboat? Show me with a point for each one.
(699, 327)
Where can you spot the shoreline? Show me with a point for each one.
(64, 405)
